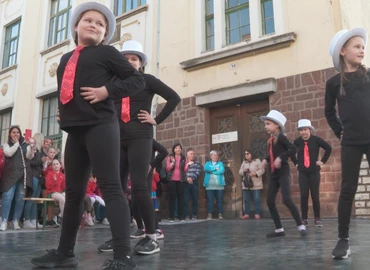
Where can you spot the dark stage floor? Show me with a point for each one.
(225, 244)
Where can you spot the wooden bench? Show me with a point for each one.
(43, 201)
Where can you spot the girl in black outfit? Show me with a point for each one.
(89, 117)
(350, 90)
(308, 165)
(136, 131)
(279, 151)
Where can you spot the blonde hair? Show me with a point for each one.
(39, 140)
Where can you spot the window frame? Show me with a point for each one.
(53, 27)
(209, 17)
(124, 4)
(8, 40)
(264, 19)
(2, 128)
(228, 11)
(57, 137)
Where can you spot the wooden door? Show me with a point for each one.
(243, 118)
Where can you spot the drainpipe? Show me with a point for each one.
(154, 106)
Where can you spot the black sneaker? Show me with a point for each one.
(304, 222)
(54, 259)
(275, 234)
(51, 224)
(138, 234)
(127, 264)
(147, 246)
(341, 250)
(106, 247)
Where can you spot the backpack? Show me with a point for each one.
(163, 176)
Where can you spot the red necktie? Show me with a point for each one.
(272, 154)
(125, 110)
(66, 90)
(306, 155)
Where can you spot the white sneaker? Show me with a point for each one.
(16, 225)
(4, 225)
(159, 234)
(28, 225)
(105, 221)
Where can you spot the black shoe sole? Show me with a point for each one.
(70, 262)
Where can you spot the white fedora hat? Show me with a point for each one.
(100, 8)
(276, 117)
(305, 123)
(340, 39)
(134, 47)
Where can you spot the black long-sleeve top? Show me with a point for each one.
(314, 143)
(162, 154)
(134, 129)
(96, 67)
(353, 108)
(283, 149)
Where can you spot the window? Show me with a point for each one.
(5, 118)
(123, 6)
(210, 25)
(11, 44)
(59, 21)
(49, 125)
(237, 21)
(267, 9)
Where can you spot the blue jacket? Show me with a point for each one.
(209, 169)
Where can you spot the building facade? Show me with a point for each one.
(231, 61)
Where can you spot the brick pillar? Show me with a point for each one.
(303, 96)
(362, 197)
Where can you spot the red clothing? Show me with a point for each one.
(91, 188)
(155, 180)
(55, 182)
(47, 171)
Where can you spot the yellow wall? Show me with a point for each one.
(314, 21)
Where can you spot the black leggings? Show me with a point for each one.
(310, 182)
(135, 210)
(351, 157)
(274, 184)
(135, 159)
(96, 146)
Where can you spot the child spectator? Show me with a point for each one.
(55, 187)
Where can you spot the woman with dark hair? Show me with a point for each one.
(252, 167)
(17, 175)
(175, 168)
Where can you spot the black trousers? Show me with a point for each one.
(135, 159)
(309, 182)
(96, 147)
(176, 190)
(351, 157)
(136, 213)
(282, 182)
